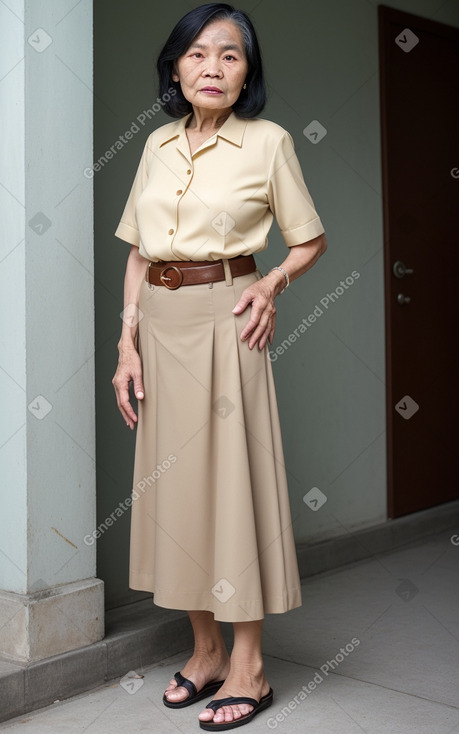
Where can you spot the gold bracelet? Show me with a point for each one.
(285, 274)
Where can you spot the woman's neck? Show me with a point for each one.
(203, 120)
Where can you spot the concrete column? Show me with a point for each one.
(50, 599)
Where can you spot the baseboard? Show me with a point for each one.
(332, 553)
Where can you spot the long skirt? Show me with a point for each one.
(211, 526)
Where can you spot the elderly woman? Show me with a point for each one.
(211, 529)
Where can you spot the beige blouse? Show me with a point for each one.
(220, 201)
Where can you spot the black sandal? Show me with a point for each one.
(258, 706)
(194, 696)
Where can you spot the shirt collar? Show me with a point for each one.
(232, 129)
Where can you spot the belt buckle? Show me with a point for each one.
(163, 277)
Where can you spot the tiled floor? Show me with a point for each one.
(396, 617)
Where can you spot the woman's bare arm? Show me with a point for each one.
(129, 367)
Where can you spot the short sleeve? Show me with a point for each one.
(127, 228)
(289, 199)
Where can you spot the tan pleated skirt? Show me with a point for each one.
(210, 524)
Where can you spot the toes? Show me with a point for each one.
(226, 713)
(220, 715)
(217, 717)
(171, 687)
(245, 708)
(232, 713)
(237, 711)
(176, 693)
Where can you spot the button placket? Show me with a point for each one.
(180, 193)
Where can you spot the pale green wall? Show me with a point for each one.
(321, 62)
(47, 431)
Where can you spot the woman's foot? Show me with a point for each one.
(201, 668)
(248, 681)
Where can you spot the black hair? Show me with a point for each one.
(251, 100)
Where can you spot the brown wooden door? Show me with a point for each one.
(419, 78)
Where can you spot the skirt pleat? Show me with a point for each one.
(210, 524)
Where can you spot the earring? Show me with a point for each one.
(244, 86)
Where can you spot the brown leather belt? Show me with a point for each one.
(175, 273)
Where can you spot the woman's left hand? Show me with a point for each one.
(262, 323)
(261, 295)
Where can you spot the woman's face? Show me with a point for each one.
(212, 71)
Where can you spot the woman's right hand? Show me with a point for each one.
(129, 370)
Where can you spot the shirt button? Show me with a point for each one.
(171, 231)
(179, 191)
(189, 171)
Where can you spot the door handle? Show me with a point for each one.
(399, 269)
(403, 299)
